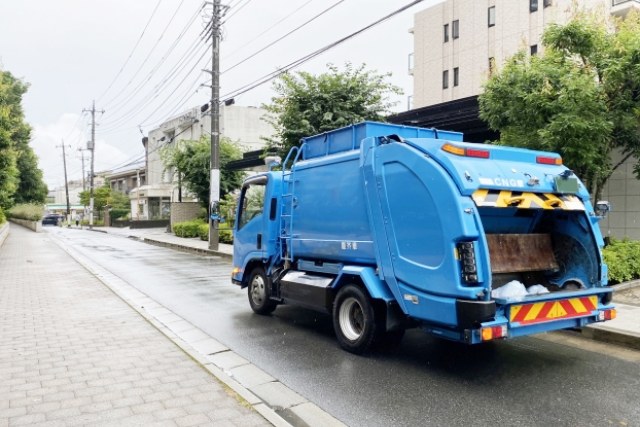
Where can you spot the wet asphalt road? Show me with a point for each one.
(426, 381)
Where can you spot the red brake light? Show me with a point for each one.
(546, 160)
(472, 152)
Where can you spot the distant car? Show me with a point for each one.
(52, 219)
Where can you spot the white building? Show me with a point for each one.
(457, 42)
(243, 125)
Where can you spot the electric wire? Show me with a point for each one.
(300, 61)
(235, 51)
(126, 62)
(257, 52)
(156, 90)
(235, 11)
(135, 74)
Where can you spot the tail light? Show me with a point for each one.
(548, 160)
(466, 152)
(493, 332)
(467, 254)
(607, 314)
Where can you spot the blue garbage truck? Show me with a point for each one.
(387, 227)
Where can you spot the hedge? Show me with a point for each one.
(188, 228)
(27, 211)
(622, 258)
(3, 218)
(118, 213)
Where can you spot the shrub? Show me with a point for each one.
(621, 257)
(118, 213)
(188, 228)
(3, 218)
(27, 211)
(226, 236)
(203, 232)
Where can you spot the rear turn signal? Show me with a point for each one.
(466, 152)
(494, 332)
(607, 314)
(546, 160)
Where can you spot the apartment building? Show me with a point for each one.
(457, 43)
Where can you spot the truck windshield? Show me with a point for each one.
(252, 203)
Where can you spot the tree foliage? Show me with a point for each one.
(20, 179)
(580, 98)
(105, 196)
(307, 104)
(192, 160)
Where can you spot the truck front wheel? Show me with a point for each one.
(258, 290)
(354, 319)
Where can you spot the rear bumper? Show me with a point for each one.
(546, 313)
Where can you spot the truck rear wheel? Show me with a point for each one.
(354, 319)
(258, 290)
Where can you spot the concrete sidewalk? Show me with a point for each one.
(624, 330)
(73, 353)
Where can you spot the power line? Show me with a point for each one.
(268, 29)
(236, 11)
(156, 90)
(284, 36)
(132, 50)
(135, 74)
(300, 61)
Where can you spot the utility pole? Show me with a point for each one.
(91, 146)
(84, 186)
(66, 184)
(214, 183)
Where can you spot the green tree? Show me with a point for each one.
(20, 178)
(191, 159)
(104, 196)
(307, 105)
(31, 187)
(580, 98)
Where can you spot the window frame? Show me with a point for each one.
(456, 76)
(533, 50)
(547, 3)
(446, 33)
(455, 29)
(242, 218)
(533, 6)
(491, 22)
(445, 79)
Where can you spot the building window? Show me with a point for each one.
(492, 65)
(455, 29)
(445, 79)
(446, 33)
(547, 3)
(533, 49)
(492, 16)
(456, 77)
(533, 5)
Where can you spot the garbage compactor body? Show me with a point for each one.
(471, 242)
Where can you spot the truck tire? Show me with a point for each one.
(354, 319)
(258, 291)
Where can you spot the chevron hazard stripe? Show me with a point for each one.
(519, 199)
(537, 312)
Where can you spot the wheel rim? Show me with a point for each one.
(351, 318)
(258, 290)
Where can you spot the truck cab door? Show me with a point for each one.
(251, 222)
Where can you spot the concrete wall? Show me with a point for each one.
(185, 211)
(31, 225)
(623, 192)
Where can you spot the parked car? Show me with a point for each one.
(52, 219)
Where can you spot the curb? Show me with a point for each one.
(182, 248)
(4, 232)
(611, 336)
(625, 286)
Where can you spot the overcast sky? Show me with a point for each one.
(74, 51)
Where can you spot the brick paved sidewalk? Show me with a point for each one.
(73, 353)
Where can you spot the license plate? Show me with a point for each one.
(566, 185)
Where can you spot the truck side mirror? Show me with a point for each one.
(602, 208)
